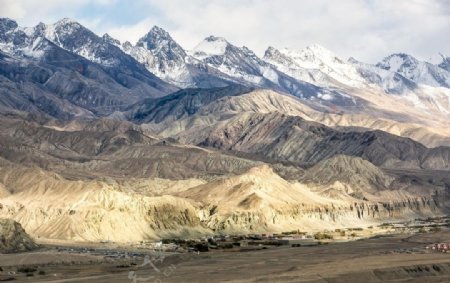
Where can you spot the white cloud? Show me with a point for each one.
(367, 29)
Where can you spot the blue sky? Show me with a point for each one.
(365, 29)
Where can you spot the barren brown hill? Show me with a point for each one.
(92, 149)
(196, 109)
(259, 200)
(294, 139)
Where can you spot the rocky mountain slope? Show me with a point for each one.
(65, 71)
(261, 201)
(258, 200)
(78, 180)
(247, 68)
(293, 139)
(208, 112)
(324, 81)
(164, 57)
(13, 238)
(316, 65)
(257, 123)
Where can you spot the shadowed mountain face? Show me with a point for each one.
(41, 77)
(208, 118)
(445, 64)
(180, 104)
(116, 149)
(294, 139)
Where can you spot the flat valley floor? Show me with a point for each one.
(393, 258)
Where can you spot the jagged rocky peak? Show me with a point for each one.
(153, 37)
(7, 24)
(271, 51)
(353, 60)
(109, 39)
(274, 55)
(69, 34)
(397, 61)
(67, 25)
(161, 43)
(38, 31)
(445, 64)
(420, 72)
(213, 38)
(7, 29)
(127, 45)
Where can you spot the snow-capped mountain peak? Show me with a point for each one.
(420, 72)
(161, 55)
(7, 25)
(67, 21)
(316, 50)
(161, 44)
(313, 56)
(396, 62)
(314, 64)
(211, 46)
(28, 42)
(109, 39)
(65, 27)
(156, 30)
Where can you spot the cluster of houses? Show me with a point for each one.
(440, 247)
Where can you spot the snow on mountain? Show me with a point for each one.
(445, 64)
(109, 39)
(74, 37)
(211, 46)
(394, 77)
(389, 81)
(65, 33)
(418, 71)
(161, 44)
(240, 63)
(401, 73)
(246, 67)
(314, 64)
(313, 73)
(162, 55)
(286, 64)
(27, 42)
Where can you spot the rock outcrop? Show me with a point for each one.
(13, 237)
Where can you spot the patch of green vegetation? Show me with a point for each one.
(26, 269)
(435, 229)
(323, 236)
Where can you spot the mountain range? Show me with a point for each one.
(214, 139)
